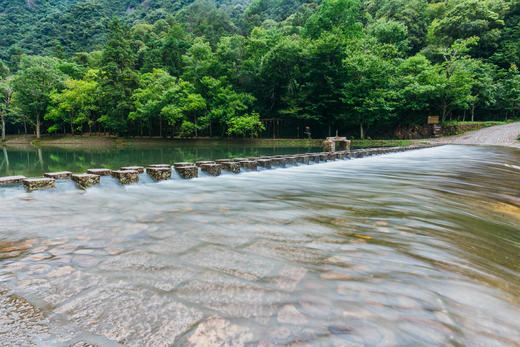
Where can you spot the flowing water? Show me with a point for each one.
(418, 248)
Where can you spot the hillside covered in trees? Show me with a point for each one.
(229, 68)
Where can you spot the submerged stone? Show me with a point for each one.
(38, 183)
(159, 173)
(212, 169)
(100, 172)
(265, 163)
(231, 166)
(58, 175)
(12, 179)
(278, 162)
(139, 169)
(86, 180)
(126, 176)
(188, 172)
(249, 165)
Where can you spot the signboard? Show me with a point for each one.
(433, 119)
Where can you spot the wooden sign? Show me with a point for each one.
(433, 119)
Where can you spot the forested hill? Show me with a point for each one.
(248, 68)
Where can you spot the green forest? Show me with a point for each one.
(238, 67)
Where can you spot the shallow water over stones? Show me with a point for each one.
(413, 248)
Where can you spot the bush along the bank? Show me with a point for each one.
(364, 68)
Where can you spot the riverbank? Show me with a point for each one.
(70, 141)
(501, 135)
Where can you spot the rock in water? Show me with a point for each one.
(11, 179)
(265, 163)
(249, 165)
(155, 166)
(231, 166)
(58, 175)
(278, 162)
(199, 163)
(212, 169)
(291, 160)
(86, 180)
(179, 164)
(188, 172)
(159, 173)
(126, 176)
(100, 172)
(139, 169)
(38, 183)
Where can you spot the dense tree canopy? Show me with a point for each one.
(227, 68)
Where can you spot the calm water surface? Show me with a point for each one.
(33, 162)
(419, 248)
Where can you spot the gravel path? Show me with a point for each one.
(500, 135)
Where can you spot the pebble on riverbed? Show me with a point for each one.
(126, 176)
(38, 183)
(86, 180)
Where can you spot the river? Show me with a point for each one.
(413, 248)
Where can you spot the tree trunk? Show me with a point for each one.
(444, 111)
(3, 127)
(160, 126)
(38, 126)
(361, 131)
(25, 127)
(473, 112)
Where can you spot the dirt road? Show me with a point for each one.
(500, 135)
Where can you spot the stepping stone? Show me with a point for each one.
(265, 163)
(231, 166)
(212, 169)
(340, 155)
(220, 161)
(126, 176)
(332, 155)
(38, 183)
(188, 172)
(240, 159)
(304, 159)
(182, 163)
(86, 180)
(139, 169)
(278, 162)
(291, 160)
(155, 166)
(12, 179)
(199, 163)
(100, 172)
(249, 165)
(324, 156)
(253, 158)
(315, 157)
(159, 173)
(58, 175)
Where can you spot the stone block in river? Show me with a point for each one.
(249, 165)
(200, 163)
(332, 156)
(11, 179)
(188, 172)
(139, 169)
(159, 173)
(240, 159)
(86, 180)
(182, 163)
(315, 157)
(58, 175)
(38, 183)
(291, 160)
(278, 162)
(220, 161)
(126, 176)
(211, 169)
(155, 166)
(340, 155)
(265, 163)
(324, 156)
(305, 159)
(231, 166)
(100, 172)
